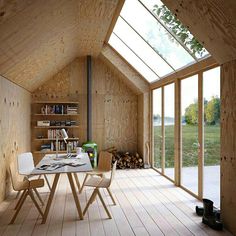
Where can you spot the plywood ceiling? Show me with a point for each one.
(133, 79)
(40, 37)
(212, 22)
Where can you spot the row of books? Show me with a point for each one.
(59, 109)
(57, 123)
(62, 146)
(72, 109)
(54, 133)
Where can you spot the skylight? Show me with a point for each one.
(153, 45)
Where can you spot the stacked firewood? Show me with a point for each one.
(126, 160)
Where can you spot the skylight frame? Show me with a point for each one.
(183, 58)
(132, 65)
(170, 32)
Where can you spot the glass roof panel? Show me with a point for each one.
(141, 48)
(132, 58)
(155, 34)
(175, 26)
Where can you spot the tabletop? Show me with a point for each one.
(52, 165)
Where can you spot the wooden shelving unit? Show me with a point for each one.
(44, 137)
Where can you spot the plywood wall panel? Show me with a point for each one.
(68, 85)
(115, 110)
(114, 107)
(228, 145)
(14, 128)
(135, 80)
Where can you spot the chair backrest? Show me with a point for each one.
(17, 182)
(25, 163)
(104, 163)
(113, 173)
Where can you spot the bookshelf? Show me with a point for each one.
(48, 118)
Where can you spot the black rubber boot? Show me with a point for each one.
(209, 217)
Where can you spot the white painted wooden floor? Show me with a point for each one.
(147, 204)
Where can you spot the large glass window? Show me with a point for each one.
(132, 58)
(189, 109)
(157, 130)
(169, 122)
(153, 46)
(211, 94)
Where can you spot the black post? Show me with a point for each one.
(89, 98)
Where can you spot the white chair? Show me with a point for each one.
(100, 182)
(26, 165)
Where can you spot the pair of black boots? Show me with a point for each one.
(210, 214)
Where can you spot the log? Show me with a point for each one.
(125, 159)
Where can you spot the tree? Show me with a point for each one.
(212, 111)
(191, 114)
(156, 117)
(182, 32)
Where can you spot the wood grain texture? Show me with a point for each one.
(213, 23)
(67, 85)
(114, 117)
(134, 78)
(39, 38)
(228, 145)
(114, 110)
(14, 128)
(147, 204)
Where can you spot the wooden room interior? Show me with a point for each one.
(45, 49)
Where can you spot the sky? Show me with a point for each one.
(155, 34)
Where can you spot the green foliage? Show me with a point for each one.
(212, 111)
(156, 117)
(191, 114)
(190, 145)
(182, 32)
(211, 114)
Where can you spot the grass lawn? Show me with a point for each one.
(190, 145)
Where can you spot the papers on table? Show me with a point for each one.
(54, 164)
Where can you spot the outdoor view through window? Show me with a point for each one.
(153, 40)
(189, 132)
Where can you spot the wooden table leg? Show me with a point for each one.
(77, 180)
(55, 181)
(77, 203)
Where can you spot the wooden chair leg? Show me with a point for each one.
(104, 205)
(91, 199)
(85, 178)
(77, 181)
(112, 198)
(19, 207)
(18, 194)
(35, 202)
(49, 186)
(19, 201)
(37, 193)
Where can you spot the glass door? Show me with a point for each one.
(189, 129)
(157, 128)
(169, 127)
(211, 175)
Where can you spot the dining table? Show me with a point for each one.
(52, 164)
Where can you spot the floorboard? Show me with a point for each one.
(147, 204)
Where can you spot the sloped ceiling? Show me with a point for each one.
(132, 78)
(212, 22)
(40, 37)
